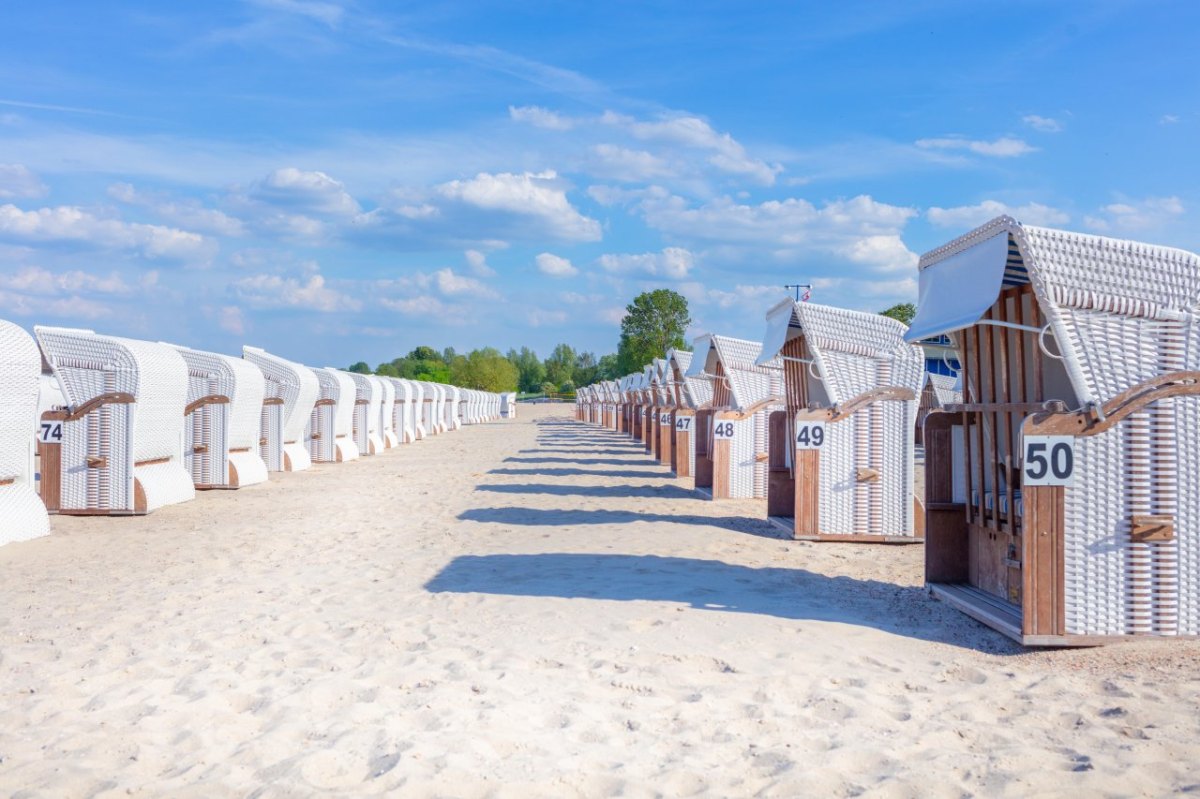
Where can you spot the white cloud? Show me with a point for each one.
(614, 315)
(72, 224)
(313, 192)
(1004, 147)
(539, 196)
(1136, 216)
(672, 262)
(555, 266)
(229, 319)
(755, 296)
(38, 281)
(620, 163)
(1168, 119)
(188, 213)
(74, 308)
(575, 298)
(277, 291)
(727, 154)
(1043, 124)
(477, 263)
(17, 181)
(328, 13)
(539, 317)
(540, 117)
(453, 284)
(420, 305)
(970, 216)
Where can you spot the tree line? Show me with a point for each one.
(654, 322)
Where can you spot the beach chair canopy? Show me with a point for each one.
(946, 389)
(750, 383)
(1107, 302)
(851, 352)
(694, 391)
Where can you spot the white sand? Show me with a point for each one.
(534, 609)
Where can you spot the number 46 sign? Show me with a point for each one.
(1049, 461)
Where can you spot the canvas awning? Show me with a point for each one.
(700, 348)
(779, 319)
(956, 291)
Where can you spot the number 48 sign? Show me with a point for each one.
(1049, 461)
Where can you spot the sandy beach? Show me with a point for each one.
(534, 608)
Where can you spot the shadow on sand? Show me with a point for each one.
(541, 517)
(607, 492)
(632, 461)
(795, 594)
(554, 471)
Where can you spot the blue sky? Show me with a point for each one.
(338, 181)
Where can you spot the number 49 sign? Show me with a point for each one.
(1049, 461)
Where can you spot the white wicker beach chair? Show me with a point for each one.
(419, 409)
(121, 450)
(330, 435)
(292, 391)
(508, 405)
(1062, 493)
(692, 394)
(841, 465)
(364, 428)
(387, 411)
(22, 513)
(453, 400)
(731, 438)
(222, 431)
(437, 419)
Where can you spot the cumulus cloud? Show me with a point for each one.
(313, 192)
(1168, 119)
(38, 281)
(969, 216)
(305, 292)
(72, 308)
(477, 263)
(17, 181)
(554, 265)
(621, 163)
(539, 317)
(450, 283)
(229, 319)
(1004, 147)
(540, 117)
(1136, 216)
(540, 196)
(421, 305)
(71, 224)
(756, 296)
(726, 153)
(1043, 124)
(672, 262)
(189, 213)
(860, 229)
(613, 315)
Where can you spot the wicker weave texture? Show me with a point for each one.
(214, 430)
(22, 514)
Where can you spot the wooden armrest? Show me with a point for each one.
(211, 399)
(1152, 528)
(1089, 422)
(273, 401)
(112, 398)
(321, 402)
(837, 413)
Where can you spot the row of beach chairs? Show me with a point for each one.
(118, 426)
(1061, 498)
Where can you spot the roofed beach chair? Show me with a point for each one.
(1061, 495)
(22, 513)
(508, 404)
(364, 428)
(453, 401)
(121, 448)
(222, 431)
(841, 463)
(692, 394)
(387, 411)
(419, 409)
(731, 436)
(292, 391)
(330, 434)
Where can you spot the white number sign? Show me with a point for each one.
(810, 435)
(665, 419)
(722, 429)
(683, 423)
(50, 433)
(1049, 461)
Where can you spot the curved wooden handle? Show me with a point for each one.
(211, 399)
(837, 413)
(273, 401)
(1089, 423)
(112, 398)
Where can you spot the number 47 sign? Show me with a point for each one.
(1049, 461)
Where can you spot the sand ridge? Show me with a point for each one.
(532, 607)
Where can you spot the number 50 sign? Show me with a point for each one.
(1049, 461)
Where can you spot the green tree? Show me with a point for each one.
(586, 370)
(654, 322)
(567, 387)
(387, 370)
(548, 387)
(530, 370)
(484, 369)
(360, 367)
(560, 366)
(609, 368)
(903, 311)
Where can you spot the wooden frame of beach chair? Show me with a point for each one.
(665, 412)
(364, 425)
(731, 437)
(330, 437)
(223, 430)
(120, 452)
(841, 464)
(1061, 494)
(22, 513)
(649, 409)
(637, 410)
(692, 394)
(611, 402)
(292, 391)
(938, 392)
(387, 411)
